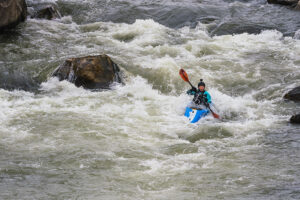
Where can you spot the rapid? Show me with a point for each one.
(58, 141)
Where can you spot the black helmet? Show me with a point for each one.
(201, 83)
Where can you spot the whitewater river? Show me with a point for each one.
(133, 142)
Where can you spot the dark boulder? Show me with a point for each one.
(46, 12)
(284, 2)
(294, 94)
(295, 119)
(12, 12)
(92, 72)
(292, 3)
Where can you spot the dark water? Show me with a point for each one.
(223, 17)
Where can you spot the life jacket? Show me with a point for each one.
(200, 97)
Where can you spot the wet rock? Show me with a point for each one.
(294, 94)
(293, 3)
(46, 12)
(284, 2)
(92, 72)
(298, 6)
(295, 119)
(12, 12)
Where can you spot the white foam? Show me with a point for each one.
(143, 116)
(297, 35)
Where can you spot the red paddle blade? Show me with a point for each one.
(183, 75)
(216, 115)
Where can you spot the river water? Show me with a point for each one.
(133, 142)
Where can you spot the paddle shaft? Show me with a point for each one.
(212, 112)
(210, 109)
(190, 84)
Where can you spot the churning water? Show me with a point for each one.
(133, 142)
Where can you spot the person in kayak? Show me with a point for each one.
(201, 96)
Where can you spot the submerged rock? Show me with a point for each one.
(92, 72)
(12, 12)
(46, 12)
(295, 119)
(294, 94)
(17, 80)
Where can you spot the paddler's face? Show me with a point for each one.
(201, 88)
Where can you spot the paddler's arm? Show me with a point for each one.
(192, 91)
(208, 97)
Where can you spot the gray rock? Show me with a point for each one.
(12, 12)
(46, 12)
(91, 72)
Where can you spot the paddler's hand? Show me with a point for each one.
(194, 89)
(206, 104)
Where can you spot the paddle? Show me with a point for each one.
(213, 113)
(185, 77)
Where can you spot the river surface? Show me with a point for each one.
(58, 141)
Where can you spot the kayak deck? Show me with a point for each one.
(194, 115)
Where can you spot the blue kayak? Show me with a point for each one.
(194, 115)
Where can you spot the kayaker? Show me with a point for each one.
(201, 96)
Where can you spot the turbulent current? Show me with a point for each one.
(58, 141)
